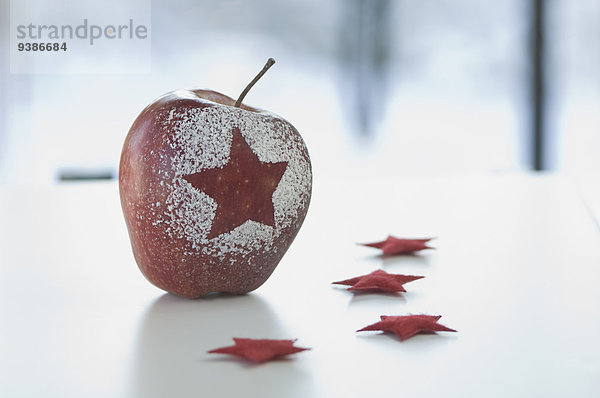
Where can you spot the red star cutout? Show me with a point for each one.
(259, 350)
(379, 281)
(406, 326)
(243, 188)
(393, 245)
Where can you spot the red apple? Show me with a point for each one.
(213, 194)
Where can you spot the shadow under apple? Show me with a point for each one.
(171, 358)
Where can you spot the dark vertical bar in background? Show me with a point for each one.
(538, 100)
(365, 43)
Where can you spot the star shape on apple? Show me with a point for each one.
(243, 188)
(392, 245)
(259, 350)
(378, 281)
(405, 326)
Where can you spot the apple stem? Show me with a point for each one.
(265, 68)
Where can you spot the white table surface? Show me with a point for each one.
(516, 272)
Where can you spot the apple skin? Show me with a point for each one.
(169, 220)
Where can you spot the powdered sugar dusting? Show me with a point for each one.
(201, 139)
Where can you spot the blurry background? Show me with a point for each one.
(377, 87)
